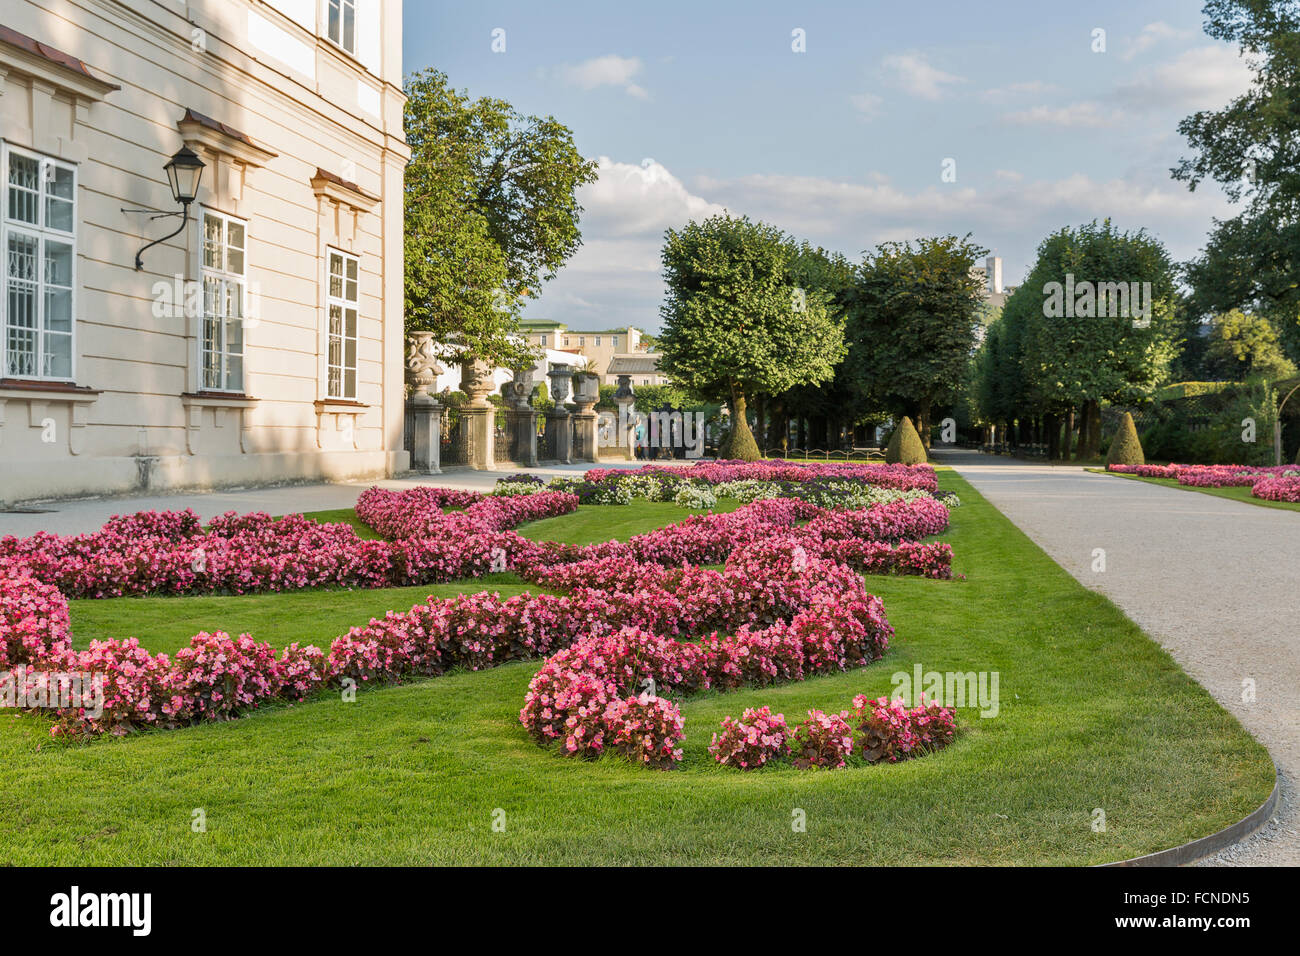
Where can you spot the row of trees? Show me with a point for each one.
(751, 313)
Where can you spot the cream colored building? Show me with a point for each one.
(263, 342)
(603, 348)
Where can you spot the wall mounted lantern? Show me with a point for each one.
(184, 170)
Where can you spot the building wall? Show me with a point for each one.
(265, 69)
(599, 346)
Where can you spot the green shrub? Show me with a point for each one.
(1125, 449)
(905, 445)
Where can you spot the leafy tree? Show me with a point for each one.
(735, 323)
(490, 213)
(1118, 343)
(1245, 346)
(1252, 261)
(913, 313)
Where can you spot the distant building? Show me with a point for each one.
(603, 348)
(995, 293)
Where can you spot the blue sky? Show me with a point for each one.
(696, 107)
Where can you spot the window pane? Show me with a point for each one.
(235, 336)
(235, 373)
(350, 354)
(211, 353)
(352, 324)
(351, 290)
(59, 199)
(334, 20)
(212, 242)
(24, 188)
(352, 269)
(335, 383)
(350, 383)
(58, 355)
(349, 27)
(234, 299)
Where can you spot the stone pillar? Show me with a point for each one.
(584, 426)
(478, 415)
(426, 450)
(558, 426)
(522, 425)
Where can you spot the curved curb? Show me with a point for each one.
(1198, 849)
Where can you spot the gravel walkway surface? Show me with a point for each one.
(1216, 582)
(78, 516)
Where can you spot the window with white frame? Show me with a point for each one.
(598, 341)
(221, 340)
(341, 17)
(543, 339)
(341, 315)
(39, 280)
(582, 341)
(613, 341)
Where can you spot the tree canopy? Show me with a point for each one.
(491, 213)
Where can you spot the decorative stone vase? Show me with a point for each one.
(560, 375)
(623, 393)
(422, 367)
(586, 389)
(519, 391)
(476, 382)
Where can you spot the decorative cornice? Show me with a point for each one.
(334, 187)
(20, 53)
(203, 131)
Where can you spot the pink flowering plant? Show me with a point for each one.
(750, 742)
(823, 741)
(891, 731)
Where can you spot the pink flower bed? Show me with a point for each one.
(788, 603)
(1277, 489)
(901, 477)
(822, 741)
(1268, 482)
(891, 731)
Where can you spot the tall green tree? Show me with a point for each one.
(491, 214)
(1252, 261)
(913, 314)
(1104, 328)
(737, 323)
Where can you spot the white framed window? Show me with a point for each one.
(221, 339)
(341, 283)
(543, 339)
(38, 304)
(566, 341)
(582, 341)
(341, 23)
(613, 341)
(598, 341)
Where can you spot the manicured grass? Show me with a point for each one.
(592, 523)
(1237, 493)
(1093, 714)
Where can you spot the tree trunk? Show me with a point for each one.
(1092, 423)
(923, 423)
(1053, 427)
(740, 443)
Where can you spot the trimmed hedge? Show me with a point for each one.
(1125, 448)
(905, 446)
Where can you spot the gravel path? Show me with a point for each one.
(78, 516)
(1216, 582)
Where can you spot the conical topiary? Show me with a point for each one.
(905, 445)
(1125, 449)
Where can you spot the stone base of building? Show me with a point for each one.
(36, 481)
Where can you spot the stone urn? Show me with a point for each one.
(422, 367)
(476, 382)
(519, 391)
(560, 375)
(624, 393)
(586, 389)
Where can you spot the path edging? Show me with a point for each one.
(1199, 849)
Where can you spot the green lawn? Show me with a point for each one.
(1236, 494)
(1093, 714)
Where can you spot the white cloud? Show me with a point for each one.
(1150, 35)
(1000, 94)
(1085, 115)
(616, 276)
(1201, 78)
(913, 74)
(608, 70)
(868, 105)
